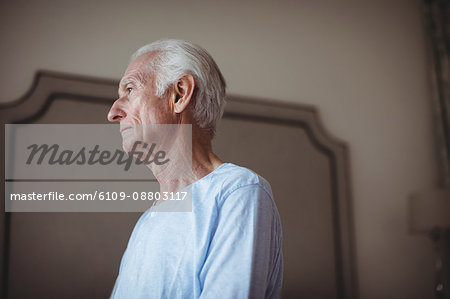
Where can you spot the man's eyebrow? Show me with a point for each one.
(136, 79)
(125, 81)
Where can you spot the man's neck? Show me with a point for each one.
(187, 166)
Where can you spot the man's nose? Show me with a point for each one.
(116, 113)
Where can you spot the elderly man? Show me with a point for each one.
(229, 246)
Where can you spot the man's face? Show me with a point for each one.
(137, 106)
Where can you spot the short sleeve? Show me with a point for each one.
(244, 258)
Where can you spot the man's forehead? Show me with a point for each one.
(138, 69)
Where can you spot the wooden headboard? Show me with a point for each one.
(77, 255)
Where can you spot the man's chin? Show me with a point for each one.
(127, 145)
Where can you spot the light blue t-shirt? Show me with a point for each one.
(229, 246)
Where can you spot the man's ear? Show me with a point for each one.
(184, 90)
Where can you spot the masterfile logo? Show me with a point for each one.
(95, 168)
(52, 155)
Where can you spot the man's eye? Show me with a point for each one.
(129, 89)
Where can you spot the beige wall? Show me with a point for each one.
(362, 63)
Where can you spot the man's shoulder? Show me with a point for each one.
(230, 177)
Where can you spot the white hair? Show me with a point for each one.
(177, 57)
